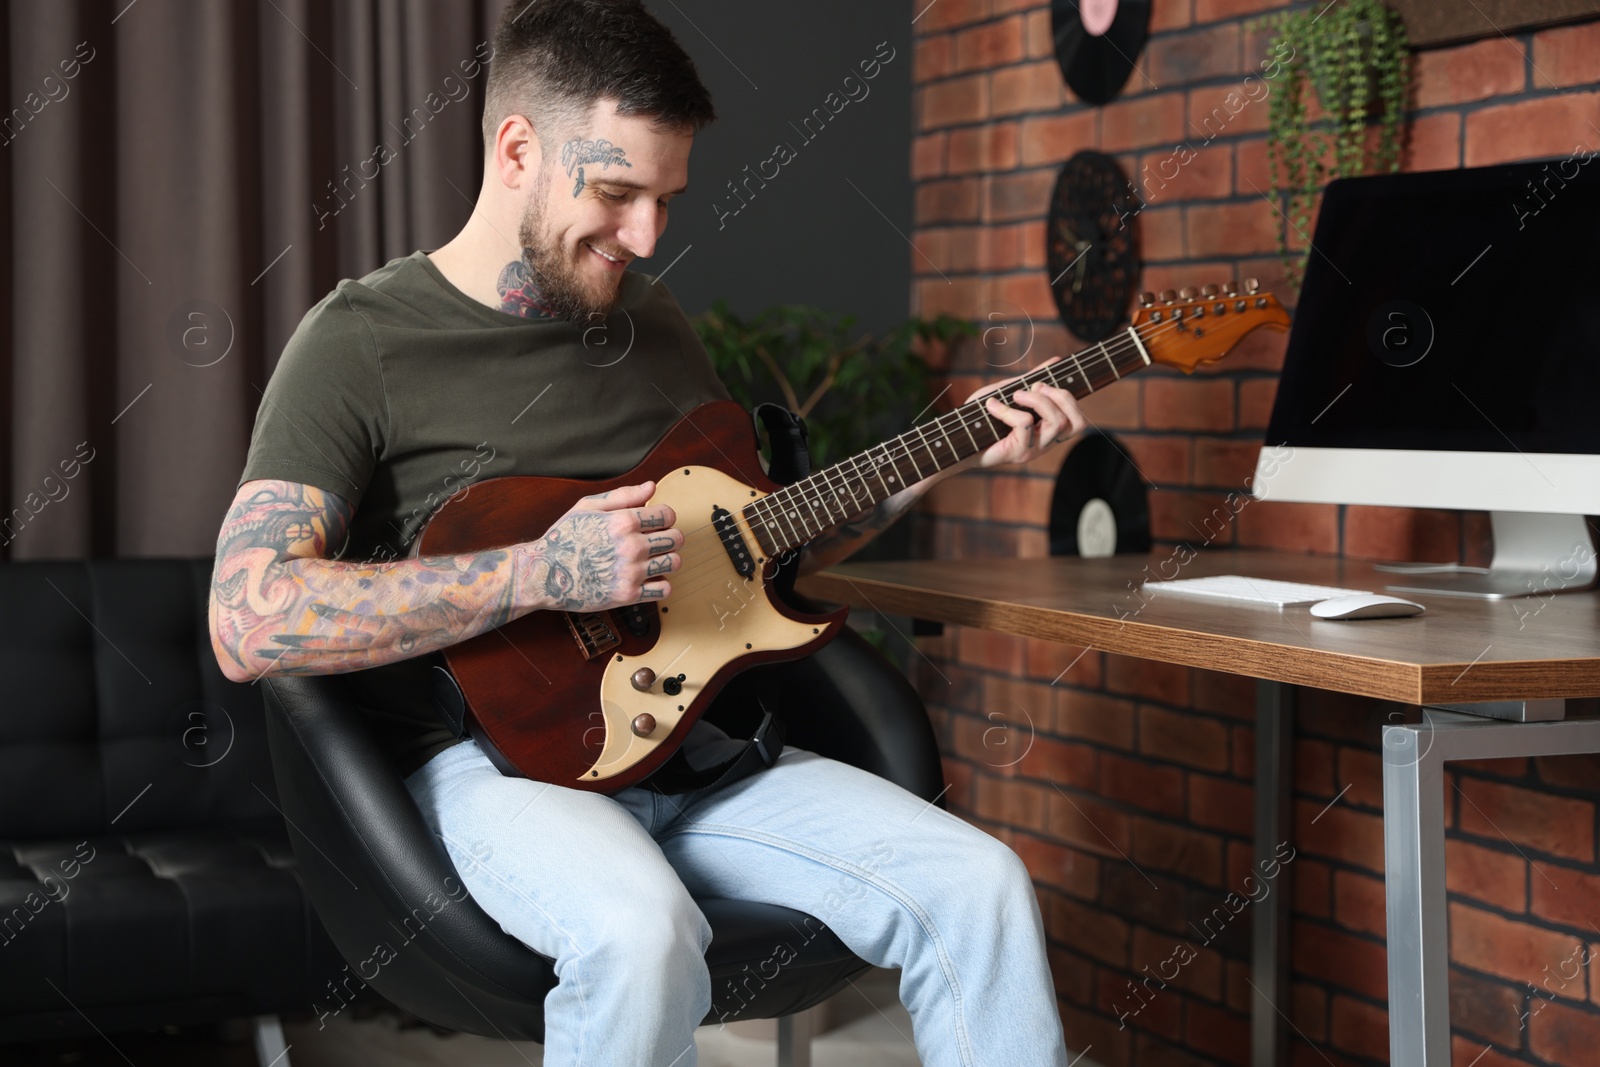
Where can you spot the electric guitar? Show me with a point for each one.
(600, 700)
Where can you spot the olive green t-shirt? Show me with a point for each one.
(397, 391)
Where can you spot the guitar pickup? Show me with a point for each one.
(594, 633)
(728, 529)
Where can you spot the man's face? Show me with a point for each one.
(604, 192)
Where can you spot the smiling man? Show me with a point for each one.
(585, 214)
(402, 387)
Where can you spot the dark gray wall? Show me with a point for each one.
(808, 237)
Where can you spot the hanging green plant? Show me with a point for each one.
(1354, 55)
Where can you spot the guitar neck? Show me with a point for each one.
(788, 518)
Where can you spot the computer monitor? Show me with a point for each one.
(1446, 354)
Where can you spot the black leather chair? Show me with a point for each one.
(146, 877)
(371, 864)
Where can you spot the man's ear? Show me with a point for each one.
(518, 152)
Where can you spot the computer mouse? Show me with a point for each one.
(1365, 606)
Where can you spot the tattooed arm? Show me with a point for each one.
(279, 605)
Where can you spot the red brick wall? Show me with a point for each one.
(1132, 806)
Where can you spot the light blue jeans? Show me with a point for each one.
(605, 886)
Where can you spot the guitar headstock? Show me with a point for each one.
(1185, 329)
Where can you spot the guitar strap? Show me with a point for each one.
(723, 761)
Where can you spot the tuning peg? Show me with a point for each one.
(1208, 290)
(1251, 285)
(1230, 288)
(1168, 296)
(1188, 292)
(1146, 299)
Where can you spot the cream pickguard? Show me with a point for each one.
(712, 616)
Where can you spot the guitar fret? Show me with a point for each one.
(783, 514)
(763, 536)
(763, 515)
(805, 497)
(980, 420)
(878, 470)
(822, 493)
(854, 505)
(1101, 348)
(926, 447)
(911, 457)
(976, 448)
(1077, 361)
(852, 492)
(896, 476)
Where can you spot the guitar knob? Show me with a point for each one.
(1251, 285)
(1146, 299)
(1168, 296)
(643, 679)
(1208, 290)
(1230, 288)
(1187, 293)
(644, 724)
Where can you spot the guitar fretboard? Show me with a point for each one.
(795, 514)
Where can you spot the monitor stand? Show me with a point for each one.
(1534, 555)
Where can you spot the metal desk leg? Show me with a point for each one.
(794, 1039)
(1419, 931)
(270, 1048)
(1269, 943)
(1414, 756)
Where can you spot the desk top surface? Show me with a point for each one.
(1459, 650)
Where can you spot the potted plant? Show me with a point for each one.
(852, 392)
(1353, 54)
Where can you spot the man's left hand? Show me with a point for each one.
(1055, 417)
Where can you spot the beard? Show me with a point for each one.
(560, 287)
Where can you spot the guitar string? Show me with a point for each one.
(1123, 345)
(893, 455)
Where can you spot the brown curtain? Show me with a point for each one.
(181, 180)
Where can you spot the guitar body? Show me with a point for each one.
(551, 695)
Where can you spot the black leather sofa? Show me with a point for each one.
(146, 877)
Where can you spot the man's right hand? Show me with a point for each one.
(608, 551)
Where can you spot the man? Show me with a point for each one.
(402, 388)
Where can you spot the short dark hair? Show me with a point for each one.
(554, 58)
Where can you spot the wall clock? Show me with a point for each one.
(1092, 245)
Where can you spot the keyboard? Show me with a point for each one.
(1238, 587)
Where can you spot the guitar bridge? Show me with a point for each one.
(593, 632)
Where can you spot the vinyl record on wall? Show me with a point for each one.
(1100, 506)
(1097, 43)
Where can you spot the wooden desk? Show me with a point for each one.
(1460, 651)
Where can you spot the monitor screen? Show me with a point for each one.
(1454, 311)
